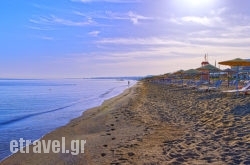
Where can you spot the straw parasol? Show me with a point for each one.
(179, 72)
(191, 71)
(236, 62)
(209, 68)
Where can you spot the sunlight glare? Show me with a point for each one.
(194, 4)
(199, 3)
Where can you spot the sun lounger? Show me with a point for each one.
(194, 85)
(244, 89)
(215, 86)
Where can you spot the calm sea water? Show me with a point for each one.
(31, 108)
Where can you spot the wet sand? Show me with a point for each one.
(155, 124)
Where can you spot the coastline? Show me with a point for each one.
(17, 158)
(156, 124)
(58, 100)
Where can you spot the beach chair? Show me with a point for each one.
(195, 85)
(244, 89)
(214, 87)
(187, 83)
(233, 83)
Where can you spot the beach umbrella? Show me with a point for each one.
(209, 68)
(191, 71)
(236, 62)
(180, 73)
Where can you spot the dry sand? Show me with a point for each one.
(153, 124)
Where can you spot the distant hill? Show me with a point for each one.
(120, 78)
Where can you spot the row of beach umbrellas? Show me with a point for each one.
(212, 69)
(237, 63)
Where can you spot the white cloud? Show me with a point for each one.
(110, 1)
(48, 38)
(142, 41)
(205, 21)
(182, 45)
(136, 17)
(110, 15)
(219, 41)
(238, 31)
(214, 18)
(132, 16)
(94, 33)
(54, 20)
(163, 48)
(199, 20)
(40, 28)
(113, 15)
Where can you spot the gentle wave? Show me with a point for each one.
(34, 114)
(109, 91)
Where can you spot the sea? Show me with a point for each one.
(31, 108)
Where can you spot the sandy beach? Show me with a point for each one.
(155, 124)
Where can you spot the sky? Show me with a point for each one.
(91, 38)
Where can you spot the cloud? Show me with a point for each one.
(142, 41)
(132, 16)
(153, 61)
(167, 48)
(54, 20)
(205, 21)
(219, 41)
(214, 18)
(110, 15)
(136, 17)
(164, 58)
(109, 1)
(200, 20)
(94, 33)
(40, 28)
(48, 38)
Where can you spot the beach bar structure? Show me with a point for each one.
(204, 72)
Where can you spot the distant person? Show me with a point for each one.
(128, 83)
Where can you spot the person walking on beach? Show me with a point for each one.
(128, 83)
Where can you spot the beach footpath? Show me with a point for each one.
(152, 124)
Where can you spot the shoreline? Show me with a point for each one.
(110, 94)
(84, 114)
(156, 124)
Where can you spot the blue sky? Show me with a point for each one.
(89, 38)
